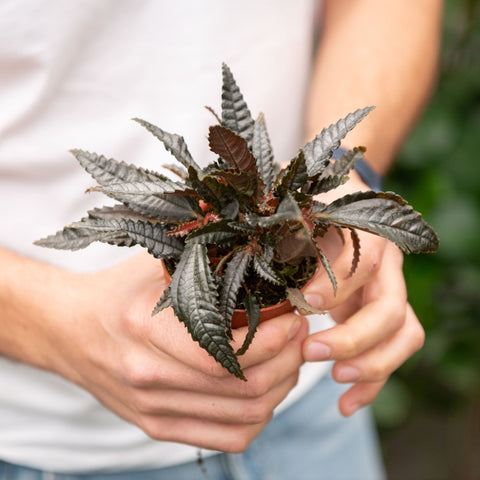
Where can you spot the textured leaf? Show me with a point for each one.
(263, 268)
(296, 298)
(194, 299)
(356, 251)
(84, 232)
(385, 214)
(107, 170)
(235, 114)
(231, 147)
(287, 210)
(263, 153)
(165, 208)
(76, 238)
(336, 173)
(243, 227)
(162, 207)
(153, 236)
(174, 143)
(293, 177)
(219, 233)
(232, 279)
(244, 183)
(115, 211)
(326, 264)
(252, 309)
(164, 302)
(215, 193)
(320, 149)
(126, 189)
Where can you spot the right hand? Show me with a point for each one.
(150, 372)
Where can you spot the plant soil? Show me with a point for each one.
(267, 293)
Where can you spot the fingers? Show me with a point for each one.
(382, 315)
(263, 369)
(170, 337)
(221, 409)
(378, 363)
(372, 369)
(320, 293)
(380, 331)
(358, 396)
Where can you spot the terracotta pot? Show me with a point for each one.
(240, 319)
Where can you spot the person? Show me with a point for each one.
(92, 386)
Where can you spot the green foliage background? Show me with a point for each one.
(438, 171)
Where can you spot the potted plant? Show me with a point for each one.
(241, 233)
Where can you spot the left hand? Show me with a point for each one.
(377, 330)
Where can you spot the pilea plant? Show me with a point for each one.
(240, 233)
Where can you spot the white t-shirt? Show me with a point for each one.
(72, 75)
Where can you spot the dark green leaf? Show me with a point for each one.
(326, 264)
(293, 177)
(244, 183)
(263, 268)
(235, 114)
(356, 251)
(174, 143)
(385, 214)
(336, 173)
(215, 193)
(263, 153)
(126, 189)
(107, 170)
(76, 238)
(164, 302)
(320, 149)
(252, 308)
(166, 208)
(219, 233)
(194, 300)
(117, 211)
(97, 226)
(153, 236)
(243, 227)
(232, 279)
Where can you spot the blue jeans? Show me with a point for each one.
(308, 441)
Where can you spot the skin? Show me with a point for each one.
(393, 67)
(150, 372)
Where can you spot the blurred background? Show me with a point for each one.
(429, 412)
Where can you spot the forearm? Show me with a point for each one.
(372, 52)
(32, 298)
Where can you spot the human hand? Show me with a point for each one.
(151, 373)
(377, 329)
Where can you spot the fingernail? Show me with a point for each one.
(317, 352)
(315, 300)
(354, 408)
(294, 329)
(347, 374)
